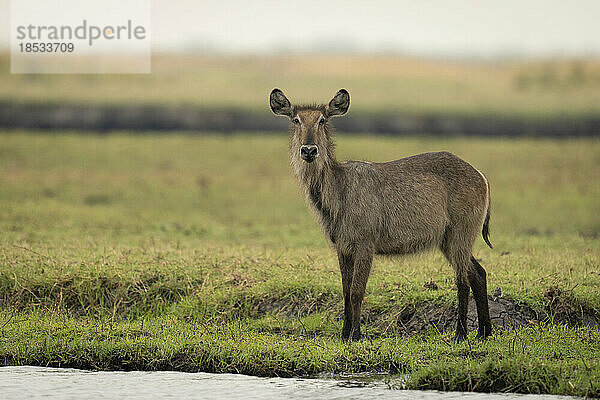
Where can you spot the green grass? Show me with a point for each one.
(539, 359)
(197, 253)
(376, 83)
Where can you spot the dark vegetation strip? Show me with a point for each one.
(226, 120)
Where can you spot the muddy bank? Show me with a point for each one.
(420, 318)
(504, 313)
(226, 120)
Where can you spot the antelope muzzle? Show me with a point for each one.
(309, 152)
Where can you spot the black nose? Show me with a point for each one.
(309, 152)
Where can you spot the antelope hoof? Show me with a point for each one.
(459, 337)
(346, 330)
(356, 336)
(484, 334)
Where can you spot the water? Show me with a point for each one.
(60, 383)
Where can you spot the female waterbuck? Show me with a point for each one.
(397, 207)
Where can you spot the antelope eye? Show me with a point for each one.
(296, 121)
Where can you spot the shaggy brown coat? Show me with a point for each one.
(397, 207)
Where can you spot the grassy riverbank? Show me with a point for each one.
(534, 359)
(198, 254)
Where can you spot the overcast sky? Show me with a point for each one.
(468, 28)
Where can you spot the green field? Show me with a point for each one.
(383, 83)
(197, 253)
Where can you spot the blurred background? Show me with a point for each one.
(512, 86)
(436, 67)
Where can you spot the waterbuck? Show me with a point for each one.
(397, 207)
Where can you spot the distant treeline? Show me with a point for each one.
(226, 120)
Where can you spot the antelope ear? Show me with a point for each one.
(280, 105)
(339, 105)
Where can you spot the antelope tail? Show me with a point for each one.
(485, 232)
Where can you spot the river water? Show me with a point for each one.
(60, 383)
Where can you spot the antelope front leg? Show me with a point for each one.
(360, 276)
(346, 268)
